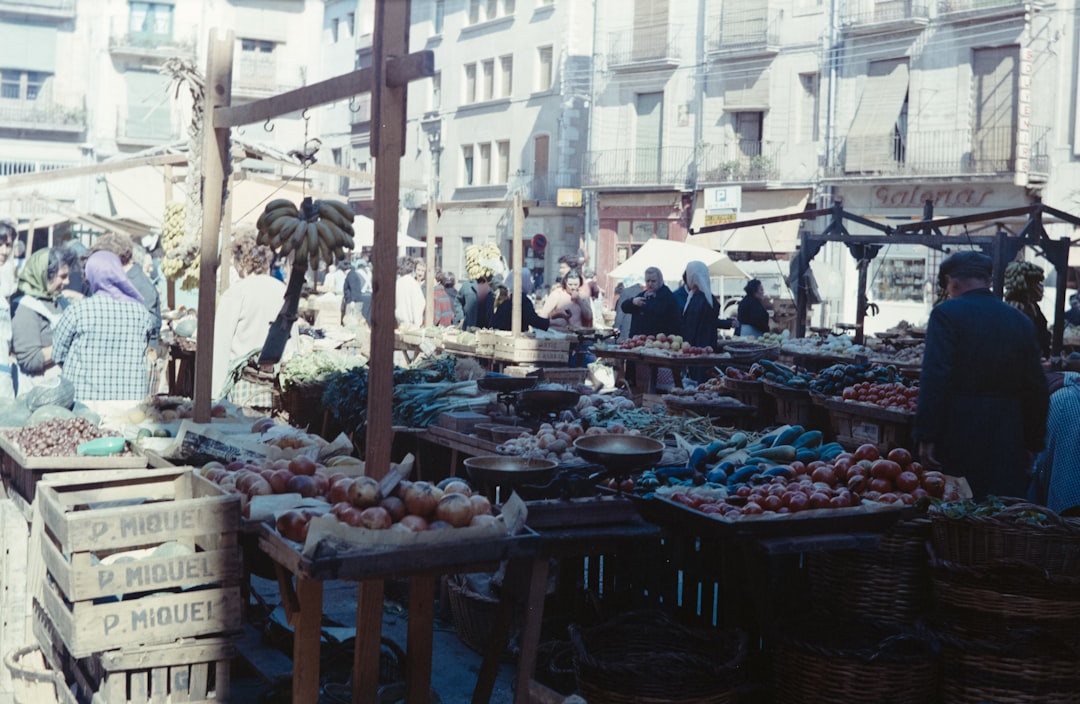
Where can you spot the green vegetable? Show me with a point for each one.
(778, 453)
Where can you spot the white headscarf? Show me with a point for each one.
(697, 275)
(526, 281)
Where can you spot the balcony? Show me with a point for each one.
(147, 46)
(543, 187)
(40, 116)
(948, 153)
(644, 48)
(145, 132)
(45, 10)
(664, 167)
(875, 16)
(258, 75)
(962, 10)
(743, 33)
(738, 161)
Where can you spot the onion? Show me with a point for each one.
(301, 484)
(376, 518)
(394, 506)
(420, 499)
(364, 492)
(481, 505)
(455, 509)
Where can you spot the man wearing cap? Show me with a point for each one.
(982, 393)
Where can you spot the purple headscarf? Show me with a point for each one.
(107, 277)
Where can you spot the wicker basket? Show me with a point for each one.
(888, 585)
(869, 666)
(995, 602)
(645, 657)
(975, 541)
(1029, 669)
(750, 352)
(304, 405)
(472, 614)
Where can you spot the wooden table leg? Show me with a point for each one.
(530, 634)
(421, 626)
(307, 633)
(368, 644)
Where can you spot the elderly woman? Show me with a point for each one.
(36, 311)
(101, 341)
(566, 298)
(700, 315)
(244, 313)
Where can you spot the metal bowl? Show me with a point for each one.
(547, 400)
(506, 384)
(620, 453)
(503, 469)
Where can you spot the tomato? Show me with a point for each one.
(713, 508)
(934, 483)
(772, 503)
(844, 456)
(900, 456)
(915, 467)
(751, 509)
(857, 470)
(840, 502)
(819, 500)
(881, 485)
(848, 394)
(797, 468)
(798, 502)
(867, 451)
(857, 483)
(885, 469)
(824, 474)
(888, 498)
(743, 491)
(907, 482)
(907, 499)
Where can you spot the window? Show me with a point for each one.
(334, 26)
(506, 71)
(808, 107)
(491, 9)
(871, 140)
(350, 23)
(488, 90)
(440, 15)
(994, 74)
(256, 46)
(21, 85)
(485, 164)
(467, 164)
(474, 11)
(508, 7)
(502, 174)
(544, 76)
(470, 83)
(748, 132)
(436, 91)
(151, 18)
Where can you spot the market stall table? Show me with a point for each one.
(654, 362)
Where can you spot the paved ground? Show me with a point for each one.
(454, 665)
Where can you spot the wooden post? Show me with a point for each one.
(226, 244)
(429, 253)
(517, 260)
(215, 148)
(391, 38)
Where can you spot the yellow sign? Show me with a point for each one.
(568, 198)
(719, 219)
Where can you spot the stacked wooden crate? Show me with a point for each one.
(141, 599)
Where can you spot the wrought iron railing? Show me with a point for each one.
(938, 152)
(545, 186)
(864, 12)
(947, 6)
(744, 29)
(740, 160)
(644, 44)
(660, 166)
(41, 115)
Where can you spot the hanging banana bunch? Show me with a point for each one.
(319, 230)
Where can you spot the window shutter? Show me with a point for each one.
(870, 139)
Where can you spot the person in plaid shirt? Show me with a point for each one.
(100, 342)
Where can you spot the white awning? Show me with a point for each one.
(671, 258)
(869, 144)
(774, 237)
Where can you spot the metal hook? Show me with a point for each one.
(303, 114)
(240, 131)
(267, 126)
(356, 109)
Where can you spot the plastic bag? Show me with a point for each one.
(49, 412)
(53, 392)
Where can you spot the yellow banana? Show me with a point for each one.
(343, 209)
(301, 252)
(281, 203)
(285, 238)
(330, 213)
(279, 223)
(313, 261)
(328, 234)
(312, 238)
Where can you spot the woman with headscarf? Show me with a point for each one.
(36, 311)
(502, 320)
(101, 341)
(753, 317)
(700, 315)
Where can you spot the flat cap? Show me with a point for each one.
(967, 265)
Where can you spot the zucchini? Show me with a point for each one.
(829, 451)
(809, 439)
(789, 436)
(738, 440)
(744, 474)
(780, 471)
(806, 455)
(778, 453)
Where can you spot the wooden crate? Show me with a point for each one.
(555, 375)
(531, 349)
(86, 523)
(858, 424)
(187, 671)
(22, 473)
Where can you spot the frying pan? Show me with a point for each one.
(620, 453)
(505, 469)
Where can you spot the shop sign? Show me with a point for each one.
(1023, 117)
(719, 218)
(941, 196)
(722, 204)
(568, 198)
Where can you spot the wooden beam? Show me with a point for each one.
(391, 38)
(215, 156)
(410, 66)
(20, 180)
(429, 254)
(517, 261)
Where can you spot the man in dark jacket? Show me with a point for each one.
(655, 310)
(982, 392)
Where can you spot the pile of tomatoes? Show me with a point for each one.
(891, 395)
(850, 479)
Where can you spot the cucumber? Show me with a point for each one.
(780, 471)
(807, 455)
(809, 439)
(829, 451)
(778, 453)
(738, 440)
(789, 436)
(743, 475)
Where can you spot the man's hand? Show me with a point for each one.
(927, 456)
(639, 301)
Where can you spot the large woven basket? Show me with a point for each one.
(1029, 669)
(304, 406)
(472, 614)
(888, 585)
(985, 540)
(644, 657)
(749, 352)
(825, 664)
(995, 602)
